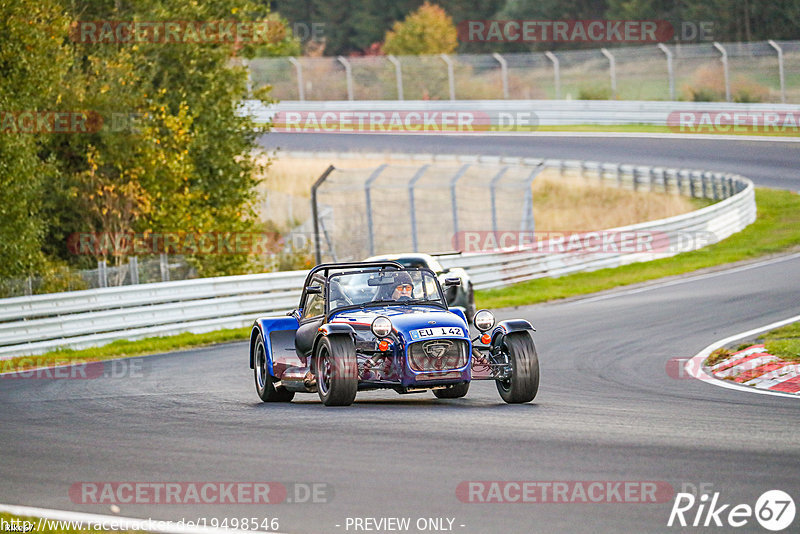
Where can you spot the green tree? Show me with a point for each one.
(353, 26)
(428, 30)
(550, 10)
(184, 166)
(33, 60)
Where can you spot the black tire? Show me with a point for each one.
(265, 387)
(336, 370)
(453, 392)
(524, 382)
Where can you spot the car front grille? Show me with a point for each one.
(437, 355)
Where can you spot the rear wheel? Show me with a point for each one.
(452, 392)
(336, 371)
(523, 384)
(265, 388)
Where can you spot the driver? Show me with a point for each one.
(403, 286)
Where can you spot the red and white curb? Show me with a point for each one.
(752, 369)
(756, 367)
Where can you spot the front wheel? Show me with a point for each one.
(523, 384)
(336, 371)
(266, 390)
(452, 392)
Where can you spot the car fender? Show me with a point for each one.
(460, 311)
(509, 326)
(264, 326)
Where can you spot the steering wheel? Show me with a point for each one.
(337, 294)
(403, 298)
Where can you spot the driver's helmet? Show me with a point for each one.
(403, 285)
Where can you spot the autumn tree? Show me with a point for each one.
(173, 155)
(428, 30)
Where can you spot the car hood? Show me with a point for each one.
(404, 318)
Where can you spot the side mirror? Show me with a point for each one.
(314, 290)
(450, 282)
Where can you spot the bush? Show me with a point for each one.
(702, 94)
(594, 93)
(428, 30)
(707, 85)
(747, 91)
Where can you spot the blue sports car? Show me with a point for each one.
(380, 325)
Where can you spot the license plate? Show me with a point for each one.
(438, 331)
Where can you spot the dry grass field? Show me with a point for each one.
(559, 203)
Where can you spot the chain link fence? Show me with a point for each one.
(743, 72)
(363, 212)
(134, 271)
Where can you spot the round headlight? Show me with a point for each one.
(483, 320)
(381, 326)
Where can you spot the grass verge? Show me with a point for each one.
(784, 342)
(124, 348)
(776, 229)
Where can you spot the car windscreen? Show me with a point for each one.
(407, 286)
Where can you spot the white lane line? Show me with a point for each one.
(130, 523)
(688, 279)
(694, 366)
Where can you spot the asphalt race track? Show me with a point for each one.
(769, 164)
(607, 410)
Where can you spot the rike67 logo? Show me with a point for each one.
(774, 510)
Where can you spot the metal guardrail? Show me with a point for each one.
(703, 227)
(545, 112)
(79, 319)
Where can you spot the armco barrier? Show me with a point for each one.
(545, 112)
(78, 319)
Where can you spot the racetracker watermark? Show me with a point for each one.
(583, 31)
(566, 31)
(734, 121)
(39, 368)
(418, 121)
(564, 491)
(582, 242)
(179, 243)
(38, 122)
(137, 492)
(179, 31)
(683, 368)
(70, 122)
